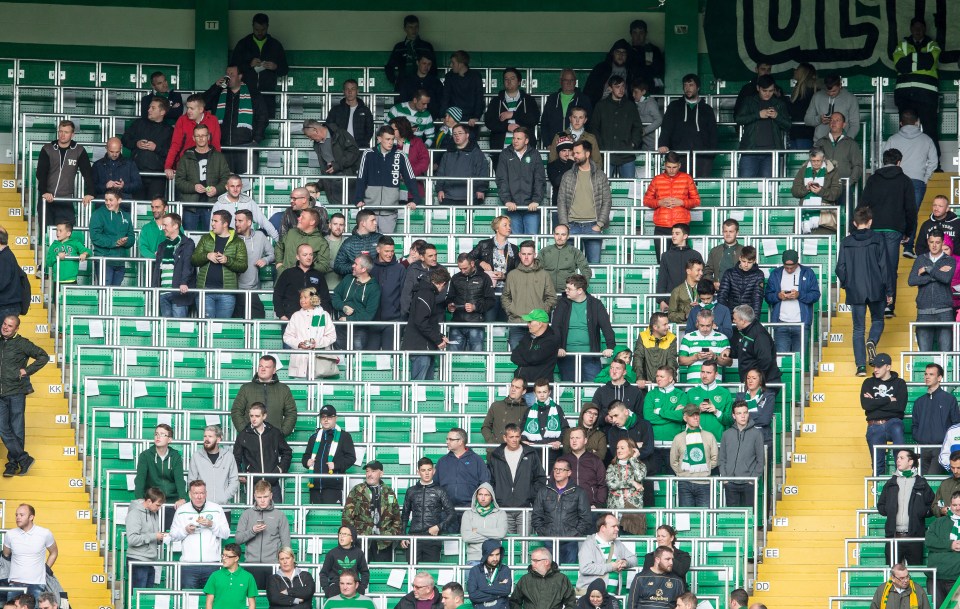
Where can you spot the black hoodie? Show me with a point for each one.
(338, 560)
(600, 74)
(598, 585)
(889, 399)
(889, 195)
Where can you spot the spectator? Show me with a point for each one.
(940, 553)
(666, 537)
(161, 467)
(452, 596)
(242, 114)
(713, 400)
(219, 257)
(363, 239)
(418, 275)
(390, 276)
(596, 596)
(754, 347)
(604, 558)
(801, 97)
(546, 421)
(415, 151)
(265, 388)
(346, 555)
(306, 232)
(598, 84)
(469, 298)
(338, 156)
(833, 98)
(543, 586)
(749, 90)
(516, 475)
(884, 400)
(511, 410)
(338, 223)
(259, 254)
(587, 471)
(286, 291)
(329, 451)
(905, 502)
(673, 262)
(424, 594)
(580, 319)
(403, 59)
(31, 550)
(58, 267)
(144, 537)
(452, 117)
(932, 274)
(521, 182)
(264, 531)
(114, 171)
(423, 77)
(184, 133)
(219, 474)
(617, 389)
(352, 115)
(899, 590)
(560, 166)
(509, 109)
(381, 170)
(684, 294)
(372, 509)
(693, 454)
(918, 150)
(284, 220)
(234, 200)
(726, 255)
(490, 580)
(915, 59)
(356, 298)
(792, 290)
(817, 182)
(760, 403)
(496, 256)
(690, 126)
(161, 88)
(616, 123)
(291, 586)
(112, 236)
(646, 56)
(459, 473)
(465, 160)
(483, 523)
(765, 119)
(57, 167)
(199, 525)
(650, 115)
(464, 89)
(311, 329)
(628, 425)
(423, 328)
(657, 584)
(151, 233)
(262, 60)
(561, 261)
(703, 346)
(231, 586)
(202, 174)
(536, 353)
(707, 296)
(842, 150)
(261, 448)
(559, 107)
(585, 205)
(428, 510)
(414, 110)
(671, 194)
(942, 219)
(947, 487)
(741, 455)
(934, 413)
(527, 288)
(655, 347)
(663, 408)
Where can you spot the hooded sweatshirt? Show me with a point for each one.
(596, 438)
(142, 528)
(481, 527)
(106, 228)
(338, 560)
(263, 546)
(489, 588)
(165, 474)
(920, 155)
(220, 476)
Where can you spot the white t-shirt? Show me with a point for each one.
(513, 459)
(28, 554)
(790, 309)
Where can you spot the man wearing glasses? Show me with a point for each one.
(900, 591)
(162, 467)
(460, 472)
(543, 585)
(232, 586)
(562, 509)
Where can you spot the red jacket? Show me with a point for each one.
(680, 186)
(183, 137)
(419, 160)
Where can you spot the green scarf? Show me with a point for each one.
(244, 112)
(955, 531)
(708, 306)
(694, 457)
(484, 511)
(333, 446)
(914, 600)
(808, 175)
(613, 577)
(631, 419)
(907, 474)
(531, 428)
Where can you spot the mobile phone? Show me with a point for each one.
(705, 350)
(260, 521)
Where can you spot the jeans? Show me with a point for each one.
(755, 166)
(626, 170)
(515, 335)
(591, 247)
(739, 494)
(568, 552)
(34, 590)
(589, 368)
(12, 433)
(421, 367)
(891, 243)
(470, 339)
(113, 275)
(360, 337)
(196, 576)
(168, 308)
(919, 190)
(196, 218)
(691, 494)
(142, 576)
(218, 306)
(524, 222)
(788, 340)
(879, 435)
(859, 312)
(943, 335)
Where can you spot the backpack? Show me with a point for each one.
(25, 294)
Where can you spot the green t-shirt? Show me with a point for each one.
(565, 99)
(231, 590)
(357, 602)
(578, 338)
(722, 400)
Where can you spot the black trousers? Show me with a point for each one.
(326, 496)
(256, 308)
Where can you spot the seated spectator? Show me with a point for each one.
(423, 595)
(724, 256)
(543, 586)
(596, 596)
(346, 555)
(464, 160)
(416, 111)
(754, 349)
(372, 509)
(382, 169)
(329, 451)
(311, 329)
(741, 455)
(242, 113)
(527, 288)
(817, 182)
(151, 233)
(184, 132)
(266, 388)
(483, 523)
(286, 291)
(160, 87)
(521, 182)
(173, 268)
(580, 319)
(356, 298)
(352, 115)
(112, 236)
(791, 292)
(761, 403)
(655, 347)
(715, 402)
(561, 260)
(490, 581)
(202, 173)
(423, 77)
(743, 284)
(415, 151)
(219, 257)
(940, 554)
(66, 246)
(509, 109)
(560, 165)
(765, 119)
(264, 531)
(693, 454)
(511, 410)
(262, 449)
(707, 301)
(671, 194)
(586, 468)
(685, 294)
(422, 331)
(545, 420)
(703, 345)
(673, 262)
(114, 171)
(427, 509)
(469, 298)
(536, 353)
(290, 586)
(617, 389)
(463, 88)
(562, 509)
(460, 472)
(666, 537)
(604, 558)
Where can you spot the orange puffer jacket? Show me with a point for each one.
(680, 186)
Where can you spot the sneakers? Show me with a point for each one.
(871, 351)
(25, 465)
(909, 254)
(10, 470)
(861, 371)
(887, 313)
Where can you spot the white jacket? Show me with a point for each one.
(203, 545)
(301, 328)
(951, 442)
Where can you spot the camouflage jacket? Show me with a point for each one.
(356, 512)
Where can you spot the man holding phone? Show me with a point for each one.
(705, 344)
(791, 292)
(263, 530)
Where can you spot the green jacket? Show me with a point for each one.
(188, 174)
(276, 396)
(356, 512)
(285, 251)
(234, 250)
(664, 410)
(363, 297)
(14, 353)
(721, 398)
(940, 556)
(72, 247)
(749, 118)
(151, 236)
(106, 228)
(550, 591)
(561, 262)
(165, 474)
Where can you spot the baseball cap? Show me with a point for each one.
(882, 359)
(328, 411)
(537, 315)
(374, 465)
(791, 256)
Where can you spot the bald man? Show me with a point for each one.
(114, 171)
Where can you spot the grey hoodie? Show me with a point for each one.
(221, 477)
(263, 547)
(475, 529)
(142, 528)
(741, 451)
(920, 155)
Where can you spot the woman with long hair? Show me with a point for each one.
(805, 77)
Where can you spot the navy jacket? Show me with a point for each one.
(553, 120)
(107, 169)
(461, 476)
(390, 276)
(809, 293)
(386, 170)
(933, 414)
(485, 593)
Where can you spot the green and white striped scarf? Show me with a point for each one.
(167, 262)
(512, 106)
(694, 457)
(244, 112)
(531, 427)
(614, 578)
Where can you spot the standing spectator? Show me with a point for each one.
(329, 451)
(898, 591)
(577, 117)
(11, 300)
(792, 290)
(219, 257)
(916, 60)
(741, 455)
(234, 200)
(581, 320)
(804, 88)
(422, 331)
(760, 403)
(112, 235)
(469, 298)
(516, 475)
(352, 115)
(714, 401)
(833, 98)
(372, 509)
(427, 509)
(942, 219)
(286, 290)
(584, 200)
(598, 85)
(418, 274)
(947, 487)
(215, 467)
(232, 586)
(743, 284)
(285, 219)
(883, 398)
(932, 275)
(559, 166)
(483, 523)
(646, 56)
(765, 119)
(509, 109)
(650, 115)
(161, 467)
(543, 586)
(684, 294)
(722, 317)
(527, 287)
(338, 223)
(842, 150)
(655, 347)
(663, 407)
(292, 587)
(559, 107)
(918, 148)
(306, 231)
(425, 78)
(59, 269)
(415, 110)
(459, 473)
(536, 353)
(561, 260)
(242, 114)
(693, 454)
(424, 594)
(657, 585)
(259, 255)
(616, 123)
(264, 531)
(671, 194)
(546, 421)
(673, 262)
(114, 171)
(184, 137)
(905, 502)
(144, 537)
(617, 389)
(628, 425)
(57, 168)
(160, 87)
(754, 348)
(200, 526)
(265, 388)
(381, 171)
(464, 89)
(261, 448)
(464, 160)
(587, 469)
(496, 256)
(338, 155)
(262, 60)
(347, 554)
(605, 558)
(311, 330)
(151, 233)
(521, 182)
(202, 174)
(724, 256)
(403, 58)
(511, 410)
(943, 552)
(689, 126)
(703, 346)
(357, 298)
(934, 413)
(749, 89)
(490, 581)
(31, 550)
(390, 275)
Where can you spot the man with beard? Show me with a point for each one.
(689, 125)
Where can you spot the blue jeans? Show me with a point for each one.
(690, 494)
(34, 590)
(142, 576)
(515, 335)
(218, 306)
(113, 275)
(421, 367)
(788, 340)
(879, 435)
(891, 244)
(800, 144)
(196, 218)
(591, 247)
(859, 312)
(168, 308)
(589, 368)
(12, 408)
(943, 335)
(196, 576)
(470, 339)
(569, 551)
(626, 170)
(755, 166)
(524, 222)
(919, 190)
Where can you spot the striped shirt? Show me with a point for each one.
(422, 121)
(695, 342)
